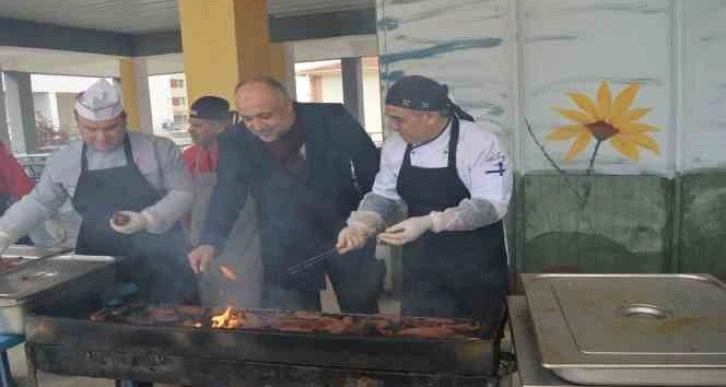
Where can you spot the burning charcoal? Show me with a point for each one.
(120, 219)
(230, 319)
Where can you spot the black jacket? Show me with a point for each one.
(298, 219)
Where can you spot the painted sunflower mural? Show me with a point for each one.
(606, 120)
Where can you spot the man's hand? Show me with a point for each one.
(200, 258)
(133, 222)
(407, 231)
(351, 238)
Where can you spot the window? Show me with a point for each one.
(177, 83)
(178, 101)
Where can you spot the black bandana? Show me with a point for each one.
(417, 92)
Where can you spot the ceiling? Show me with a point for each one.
(145, 16)
(43, 61)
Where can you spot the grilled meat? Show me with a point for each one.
(120, 219)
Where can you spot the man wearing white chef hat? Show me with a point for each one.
(130, 189)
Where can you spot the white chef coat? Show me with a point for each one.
(481, 163)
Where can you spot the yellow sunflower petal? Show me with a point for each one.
(629, 116)
(565, 132)
(636, 127)
(603, 101)
(574, 115)
(579, 145)
(623, 101)
(628, 150)
(585, 103)
(641, 140)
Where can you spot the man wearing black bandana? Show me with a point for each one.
(454, 177)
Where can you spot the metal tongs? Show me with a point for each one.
(311, 261)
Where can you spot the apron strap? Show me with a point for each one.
(453, 142)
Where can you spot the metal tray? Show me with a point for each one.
(630, 329)
(59, 280)
(20, 255)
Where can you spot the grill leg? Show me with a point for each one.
(32, 370)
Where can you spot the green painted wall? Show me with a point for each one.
(702, 222)
(639, 224)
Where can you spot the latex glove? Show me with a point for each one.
(5, 241)
(138, 221)
(407, 231)
(200, 258)
(56, 230)
(361, 225)
(351, 238)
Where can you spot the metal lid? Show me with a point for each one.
(19, 286)
(629, 320)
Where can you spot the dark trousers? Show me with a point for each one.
(357, 279)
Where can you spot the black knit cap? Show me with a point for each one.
(417, 92)
(210, 108)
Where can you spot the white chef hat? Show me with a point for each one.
(101, 101)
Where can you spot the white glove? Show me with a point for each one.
(56, 230)
(5, 241)
(361, 225)
(138, 221)
(351, 238)
(407, 231)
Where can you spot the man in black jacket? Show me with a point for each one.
(307, 165)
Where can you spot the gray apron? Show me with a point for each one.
(241, 253)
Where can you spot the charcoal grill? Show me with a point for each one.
(72, 344)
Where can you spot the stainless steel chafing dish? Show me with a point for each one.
(630, 329)
(59, 280)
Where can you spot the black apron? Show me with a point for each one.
(449, 274)
(157, 262)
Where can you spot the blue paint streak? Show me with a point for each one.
(392, 76)
(443, 48)
(550, 38)
(388, 24)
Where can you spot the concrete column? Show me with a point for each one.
(282, 65)
(21, 114)
(4, 132)
(224, 41)
(135, 89)
(352, 69)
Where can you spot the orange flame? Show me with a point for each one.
(229, 319)
(228, 273)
